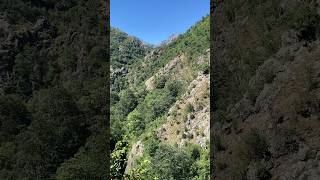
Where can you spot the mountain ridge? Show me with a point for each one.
(172, 68)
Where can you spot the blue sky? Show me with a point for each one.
(155, 20)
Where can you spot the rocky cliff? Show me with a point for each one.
(266, 83)
(166, 100)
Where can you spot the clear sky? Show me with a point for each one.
(155, 20)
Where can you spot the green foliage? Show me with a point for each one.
(24, 70)
(174, 87)
(255, 146)
(26, 11)
(171, 163)
(263, 173)
(189, 108)
(158, 102)
(161, 161)
(54, 101)
(80, 167)
(219, 116)
(125, 49)
(127, 102)
(90, 162)
(160, 81)
(202, 166)
(155, 104)
(57, 130)
(14, 116)
(136, 123)
(205, 67)
(186, 111)
(151, 146)
(142, 171)
(217, 144)
(303, 16)
(195, 151)
(118, 159)
(139, 114)
(192, 43)
(7, 153)
(68, 60)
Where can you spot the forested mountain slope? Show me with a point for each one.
(125, 51)
(265, 75)
(165, 96)
(53, 92)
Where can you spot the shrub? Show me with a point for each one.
(285, 142)
(88, 163)
(160, 81)
(151, 146)
(217, 144)
(184, 136)
(141, 171)
(219, 116)
(118, 159)
(189, 108)
(195, 151)
(14, 116)
(171, 163)
(156, 103)
(255, 146)
(303, 16)
(127, 102)
(174, 87)
(263, 174)
(136, 123)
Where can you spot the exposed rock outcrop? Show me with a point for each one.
(136, 152)
(150, 83)
(266, 123)
(188, 118)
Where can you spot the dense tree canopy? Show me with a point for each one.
(54, 65)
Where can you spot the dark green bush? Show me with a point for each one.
(14, 116)
(219, 116)
(255, 146)
(217, 144)
(174, 87)
(151, 146)
(189, 108)
(160, 81)
(263, 174)
(171, 163)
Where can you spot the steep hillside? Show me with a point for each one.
(265, 75)
(53, 72)
(170, 76)
(125, 50)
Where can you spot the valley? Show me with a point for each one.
(160, 106)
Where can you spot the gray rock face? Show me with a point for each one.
(301, 170)
(282, 107)
(136, 151)
(150, 83)
(194, 126)
(118, 72)
(203, 58)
